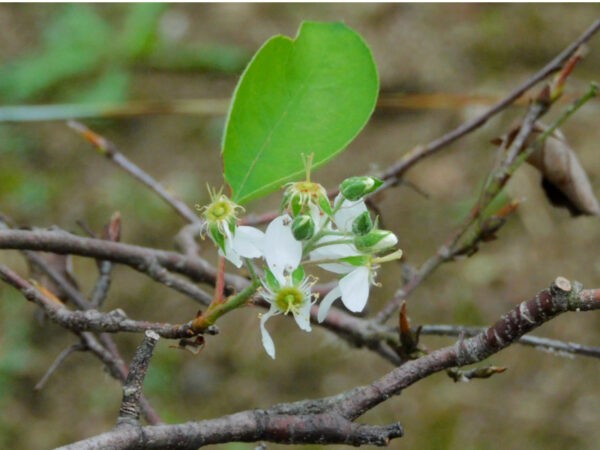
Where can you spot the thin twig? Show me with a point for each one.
(109, 354)
(354, 330)
(540, 343)
(57, 363)
(102, 286)
(110, 151)
(514, 156)
(92, 320)
(421, 152)
(447, 251)
(186, 239)
(112, 232)
(152, 262)
(68, 289)
(393, 174)
(357, 331)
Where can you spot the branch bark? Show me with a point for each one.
(421, 152)
(541, 343)
(331, 420)
(92, 320)
(110, 151)
(155, 263)
(129, 413)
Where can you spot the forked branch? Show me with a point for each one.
(331, 420)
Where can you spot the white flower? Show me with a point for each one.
(280, 248)
(221, 217)
(290, 293)
(359, 267)
(343, 218)
(332, 252)
(355, 286)
(246, 242)
(353, 290)
(347, 212)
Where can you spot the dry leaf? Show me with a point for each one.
(112, 231)
(563, 178)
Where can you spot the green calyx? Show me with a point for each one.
(375, 241)
(355, 188)
(362, 224)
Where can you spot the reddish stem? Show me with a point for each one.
(220, 282)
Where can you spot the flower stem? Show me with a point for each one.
(220, 282)
(217, 310)
(325, 244)
(251, 269)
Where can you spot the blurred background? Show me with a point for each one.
(439, 65)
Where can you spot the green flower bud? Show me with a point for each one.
(355, 188)
(303, 227)
(362, 224)
(375, 241)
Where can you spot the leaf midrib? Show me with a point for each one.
(269, 136)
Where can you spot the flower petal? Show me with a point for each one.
(231, 255)
(326, 303)
(282, 251)
(302, 316)
(317, 216)
(334, 251)
(346, 214)
(267, 341)
(248, 242)
(355, 289)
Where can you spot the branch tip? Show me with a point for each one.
(150, 334)
(563, 284)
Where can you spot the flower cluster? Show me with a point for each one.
(339, 236)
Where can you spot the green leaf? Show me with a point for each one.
(140, 29)
(111, 86)
(312, 94)
(74, 45)
(78, 27)
(205, 57)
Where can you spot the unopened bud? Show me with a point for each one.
(303, 227)
(375, 241)
(362, 224)
(355, 188)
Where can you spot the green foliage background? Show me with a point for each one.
(73, 53)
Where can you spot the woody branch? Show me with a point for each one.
(331, 420)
